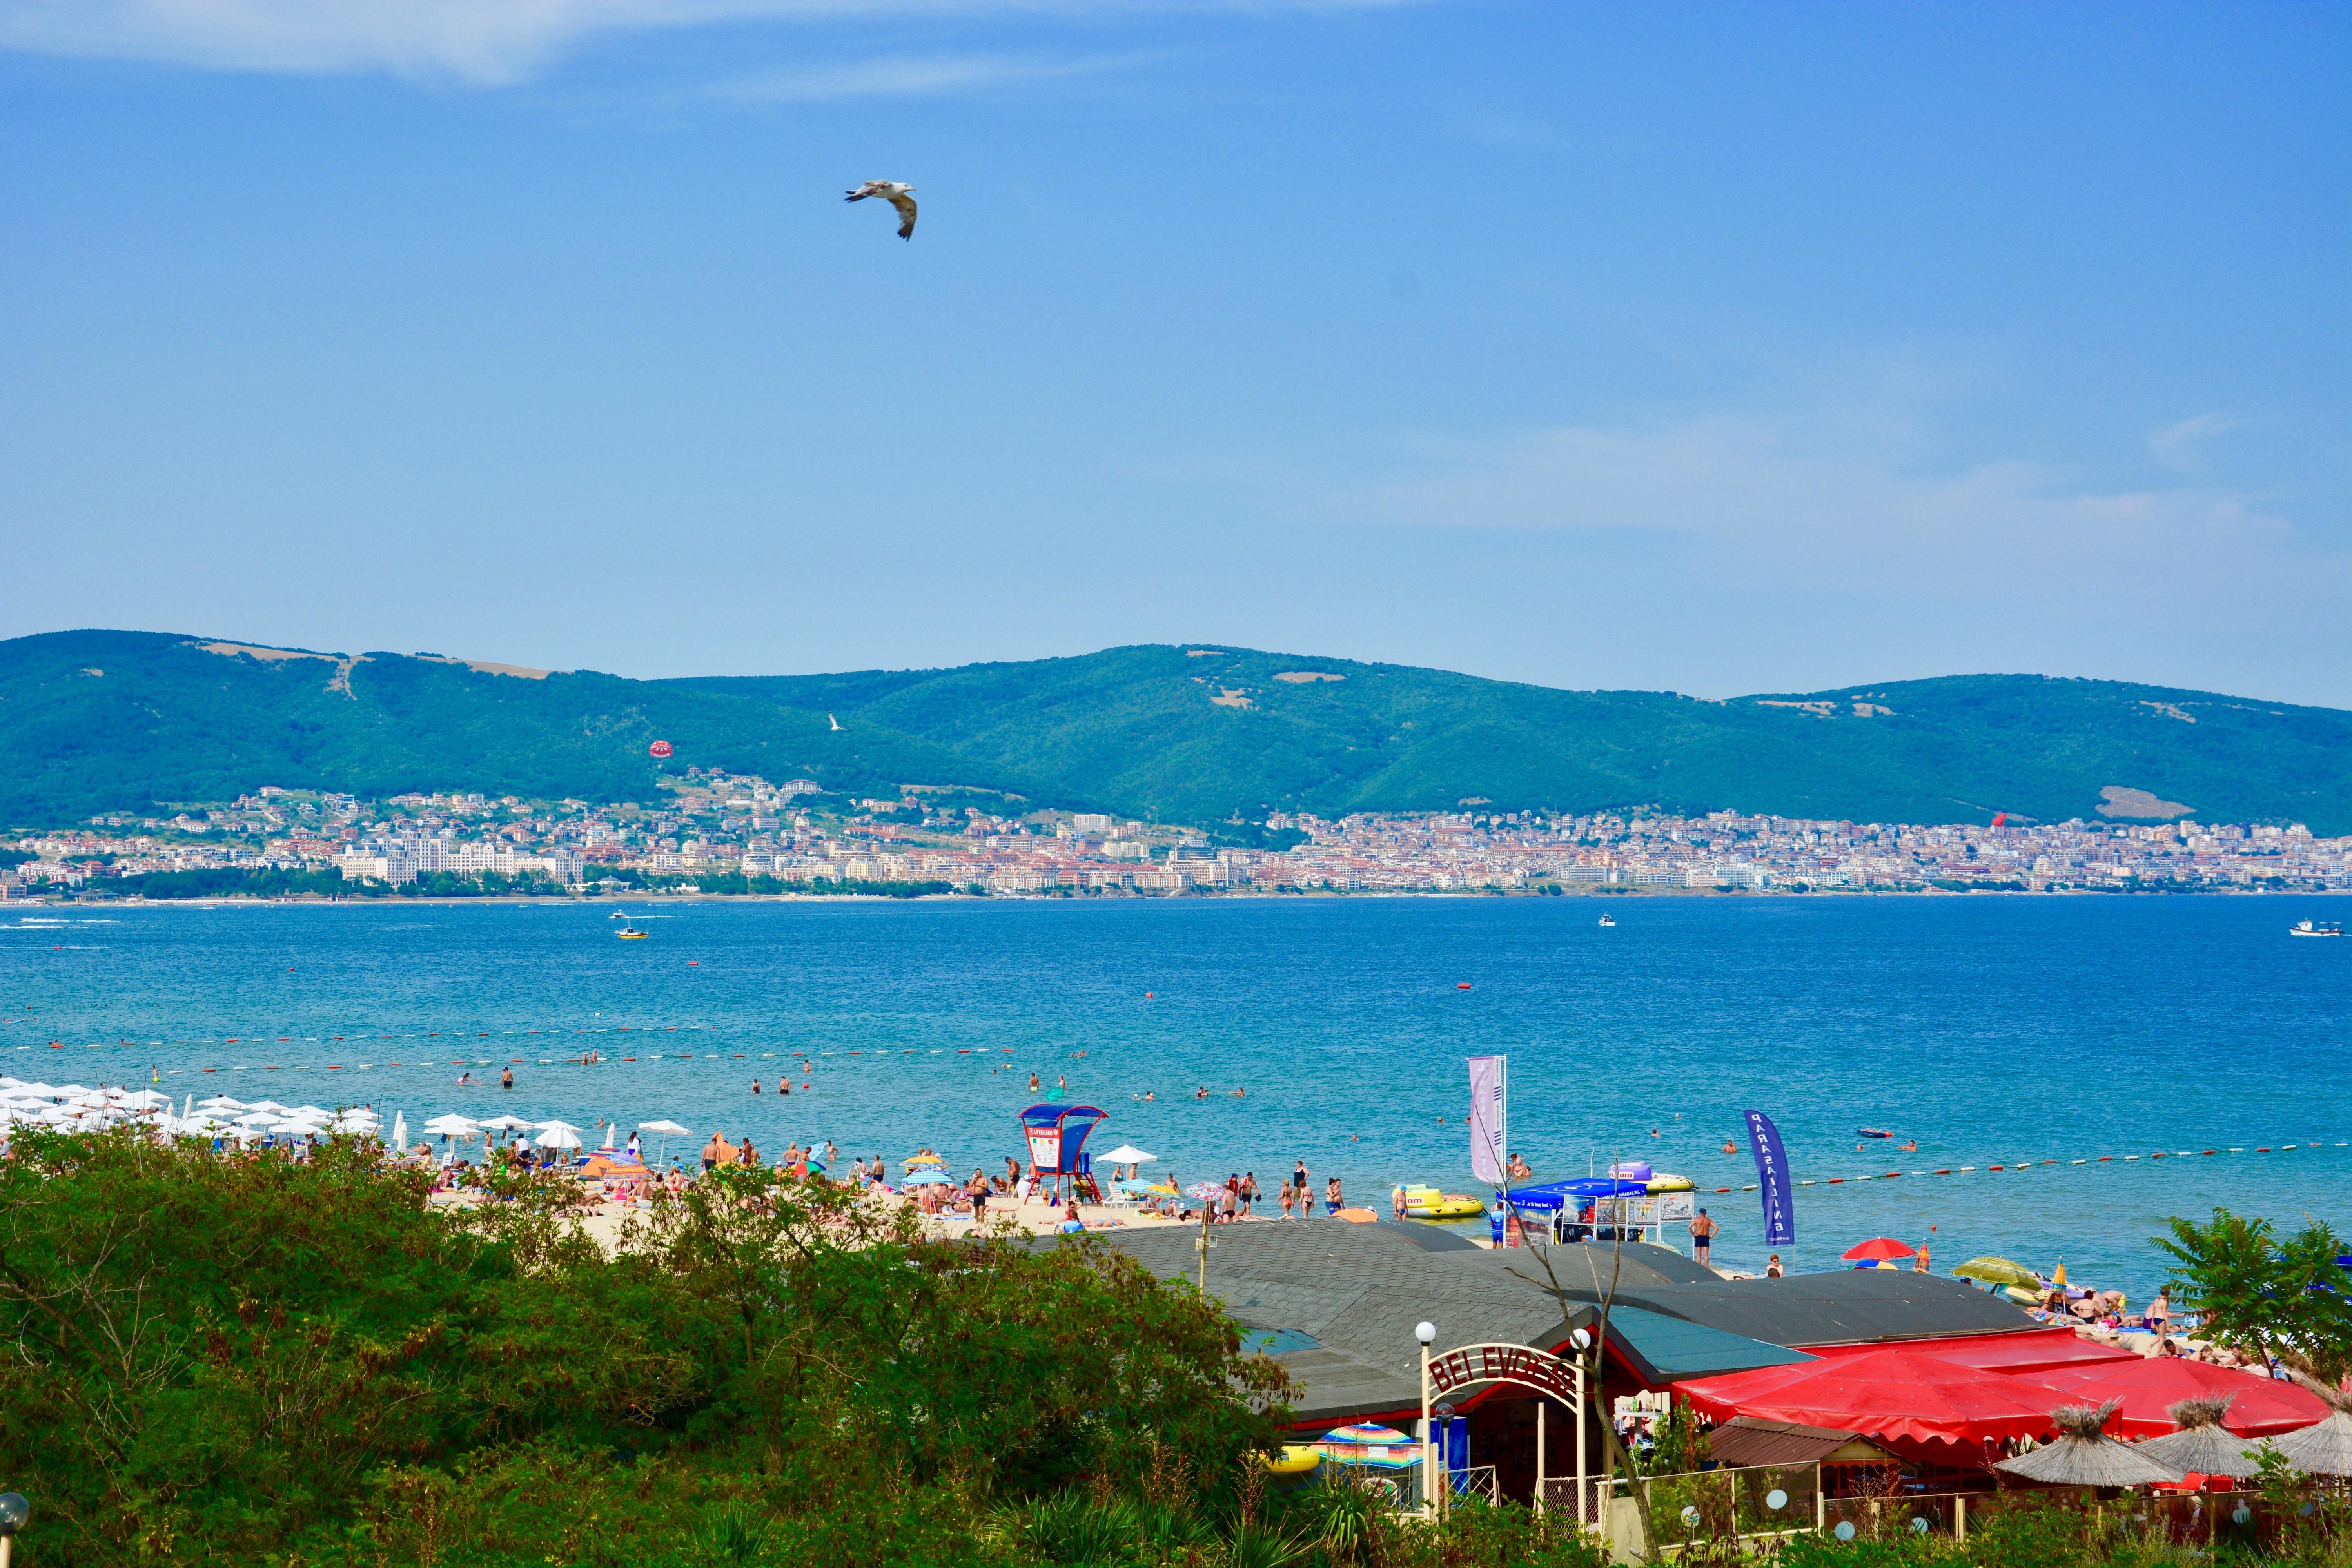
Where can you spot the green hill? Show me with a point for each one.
(102, 721)
(1201, 734)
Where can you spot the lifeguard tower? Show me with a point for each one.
(1057, 1140)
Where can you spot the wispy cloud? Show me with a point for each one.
(2180, 446)
(898, 76)
(486, 42)
(1739, 503)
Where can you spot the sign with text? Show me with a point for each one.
(1773, 1180)
(1504, 1363)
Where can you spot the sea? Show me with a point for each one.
(2173, 1055)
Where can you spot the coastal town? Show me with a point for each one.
(720, 833)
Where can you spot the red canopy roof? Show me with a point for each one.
(2030, 1351)
(1887, 1394)
(2149, 1386)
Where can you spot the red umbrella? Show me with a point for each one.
(1887, 1394)
(2258, 1406)
(1879, 1249)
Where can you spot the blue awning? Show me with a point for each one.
(1550, 1197)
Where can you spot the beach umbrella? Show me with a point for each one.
(453, 1127)
(1140, 1186)
(2325, 1449)
(2203, 1443)
(927, 1177)
(147, 1097)
(559, 1137)
(270, 1105)
(2146, 1390)
(608, 1144)
(1878, 1249)
(555, 1127)
(400, 1130)
(258, 1119)
(223, 1102)
(1128, 1154)
(912, 1161)
(2084, 1456)
(665, 1128)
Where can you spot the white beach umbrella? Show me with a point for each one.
(665, 1128)
(452, 1127)
(270, 1105)
(258, 1120)
(555, 1127)
(7, 1083)
(1128, 1154)
(400, 1130)
(320, 1111)
(147, 1097)
(559, 1137)
(204, 1127)
(188, 1108)
(608, 1144)
(223, 1102)
(508, 1123)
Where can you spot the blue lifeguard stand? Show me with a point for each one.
(1057, 1136)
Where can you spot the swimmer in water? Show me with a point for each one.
(1729, 1147)
(1912, 1147)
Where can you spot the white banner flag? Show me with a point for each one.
(1489, 1118)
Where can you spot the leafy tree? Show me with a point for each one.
(2284, 1299)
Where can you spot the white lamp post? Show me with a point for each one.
(1582, 1341)
(1427, 1334)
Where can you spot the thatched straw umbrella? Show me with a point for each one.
(2084, 1456)
(2202, 1443)
(2324, 1449)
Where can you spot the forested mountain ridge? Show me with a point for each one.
(110, 720)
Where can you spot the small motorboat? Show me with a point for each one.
(631, 933)
(1872, 1133)
(1609, 920)
(618, 915)
(2308, 927)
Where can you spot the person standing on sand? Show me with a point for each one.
(1331, 1197)
(1249, 1192)
(710, 1152)
(1286, 1200)
(2159, 1311)
(1702, 1231)
(1396, 1202)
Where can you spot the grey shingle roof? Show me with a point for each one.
(1360, 1289)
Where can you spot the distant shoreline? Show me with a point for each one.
(615, 900)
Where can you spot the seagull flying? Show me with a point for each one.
(898, 196)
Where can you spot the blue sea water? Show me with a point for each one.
(1992, 1029)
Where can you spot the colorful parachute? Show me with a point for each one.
(659, 748)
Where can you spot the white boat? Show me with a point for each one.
(2305, 928)
(1609, 920)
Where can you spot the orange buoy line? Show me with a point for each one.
(2020, 1166)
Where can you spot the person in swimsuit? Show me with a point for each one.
(1702, 1231)
(1772, 1269)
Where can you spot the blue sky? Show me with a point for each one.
(1718, 348)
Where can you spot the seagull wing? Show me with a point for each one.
(906, 206)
